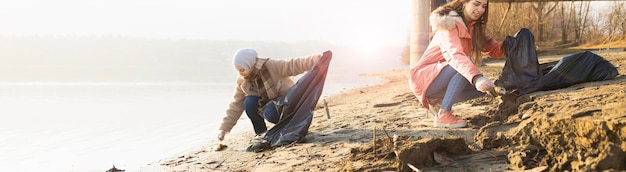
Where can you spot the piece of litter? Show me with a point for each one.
(525, 116)
(220, 147)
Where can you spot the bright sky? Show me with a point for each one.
(348, 22)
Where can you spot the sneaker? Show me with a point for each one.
(258, 144)
(446, 119)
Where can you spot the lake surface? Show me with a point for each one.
(87, 103)
(83, 126)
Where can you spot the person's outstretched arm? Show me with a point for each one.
(493, 48)
(293, 66)
(233, 113)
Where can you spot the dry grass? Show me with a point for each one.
(603, 43)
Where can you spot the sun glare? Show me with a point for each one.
(365, 43)
(366, 46)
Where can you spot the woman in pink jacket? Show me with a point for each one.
(448, 72)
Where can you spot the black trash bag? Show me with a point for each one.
(296, 107)
(522, 73)
(521, 67)
(575, 69)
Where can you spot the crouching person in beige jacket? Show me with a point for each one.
(260, 82)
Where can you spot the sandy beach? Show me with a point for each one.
(384, 128)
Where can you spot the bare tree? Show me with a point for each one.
(573, 20)
(593, 31)
(502, 23)
(565, 21)
(542, 10)
(582, 19)
(620, 9)
(569, 22)
(616, 19)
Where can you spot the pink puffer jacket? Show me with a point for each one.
(451, 45)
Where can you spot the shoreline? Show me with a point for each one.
(362, 121)
(206, 158)
(242, 132)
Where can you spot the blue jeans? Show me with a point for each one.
(251, 106)
(452, 87)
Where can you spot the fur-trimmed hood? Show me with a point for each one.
(445, 22)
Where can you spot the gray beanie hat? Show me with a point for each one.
(245, 58)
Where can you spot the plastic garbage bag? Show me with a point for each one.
(297, 106)
(522, 74)
(574, 69)
(521, 67)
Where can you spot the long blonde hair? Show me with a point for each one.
(478, 36)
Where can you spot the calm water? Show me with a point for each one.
(87, 103)
(91, 126)
(82, 126)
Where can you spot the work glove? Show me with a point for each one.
(220, 135)
(483, 84)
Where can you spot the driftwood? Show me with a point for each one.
(387, 104)
(115, 169)
(326, 107)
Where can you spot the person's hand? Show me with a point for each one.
(327, 54)
(483, 84)
(220, 135)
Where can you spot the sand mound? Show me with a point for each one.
(403, 154)
(582, 128)
(578, 128)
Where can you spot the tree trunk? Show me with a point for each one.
(539, 11)
(564, 25)
(581, 20)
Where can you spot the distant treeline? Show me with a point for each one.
(112, 58)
